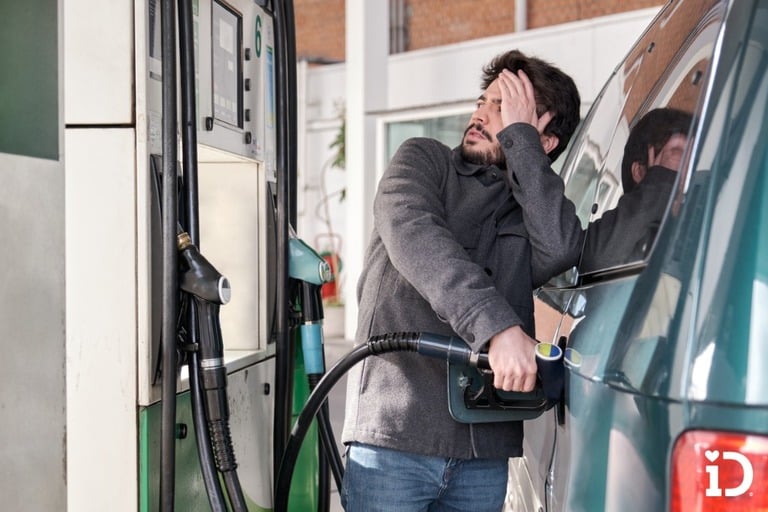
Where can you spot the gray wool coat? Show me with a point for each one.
(457, 249)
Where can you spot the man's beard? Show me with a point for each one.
(492, 156)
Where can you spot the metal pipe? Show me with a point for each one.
(398, 32)
(521, 15)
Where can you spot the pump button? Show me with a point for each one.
(247, 54)
(247, 115)
(247, 84)
(248, 137)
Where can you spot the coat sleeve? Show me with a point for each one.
(624, 234)
(410, 217)
(550, 218)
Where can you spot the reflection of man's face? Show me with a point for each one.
(669, 156)
(479, 145)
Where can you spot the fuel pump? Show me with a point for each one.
(308, 271)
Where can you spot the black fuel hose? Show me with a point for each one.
(323, 481)
(170, 291)
(452, 349)
(285, 163)
(214, 386)
(325, 452)
(207, 464)
(331, 451)
(328, 453)
(191, 203)
(303, 422)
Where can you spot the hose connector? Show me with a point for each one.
(452, 349)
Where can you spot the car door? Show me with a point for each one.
(601, 438)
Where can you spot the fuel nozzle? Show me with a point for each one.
(549, 357)
(209, 290)
(201, 278)
(304, 264)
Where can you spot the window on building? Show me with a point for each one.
(447, 129)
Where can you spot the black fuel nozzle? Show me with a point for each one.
(214, 384)
(209, 290)
(457, 351)
(201, 278)
(453, 349)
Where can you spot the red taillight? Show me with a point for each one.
(718, 472)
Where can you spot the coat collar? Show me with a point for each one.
(468, 169)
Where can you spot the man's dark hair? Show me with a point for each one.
(655, 129)
(555, 91)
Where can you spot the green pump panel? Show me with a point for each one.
(29, 95)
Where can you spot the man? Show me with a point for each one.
(647, 141)
(652, 156)
(461, 238)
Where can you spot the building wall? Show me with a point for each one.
(320, 24)
(435, 22)
(543, 13)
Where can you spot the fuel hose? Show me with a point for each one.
(453, 349)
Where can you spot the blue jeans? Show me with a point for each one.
(384, 480)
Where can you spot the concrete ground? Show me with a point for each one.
(335, 349)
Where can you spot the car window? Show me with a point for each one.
(658, 87)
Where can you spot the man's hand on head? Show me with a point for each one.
(518, 101)
(671, 154)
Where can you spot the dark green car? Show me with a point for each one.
(666, 317)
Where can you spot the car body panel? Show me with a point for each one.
(674, 341)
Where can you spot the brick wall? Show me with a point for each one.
(320, 29)
(320, 23)
(543, 13)
(438, 22)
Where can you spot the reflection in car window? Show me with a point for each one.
(666, 72)
(652, 156)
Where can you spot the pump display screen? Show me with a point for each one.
(227, 36)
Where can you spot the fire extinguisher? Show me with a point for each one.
(329, 291)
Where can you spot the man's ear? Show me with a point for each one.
(549, 142)
(638, 172)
